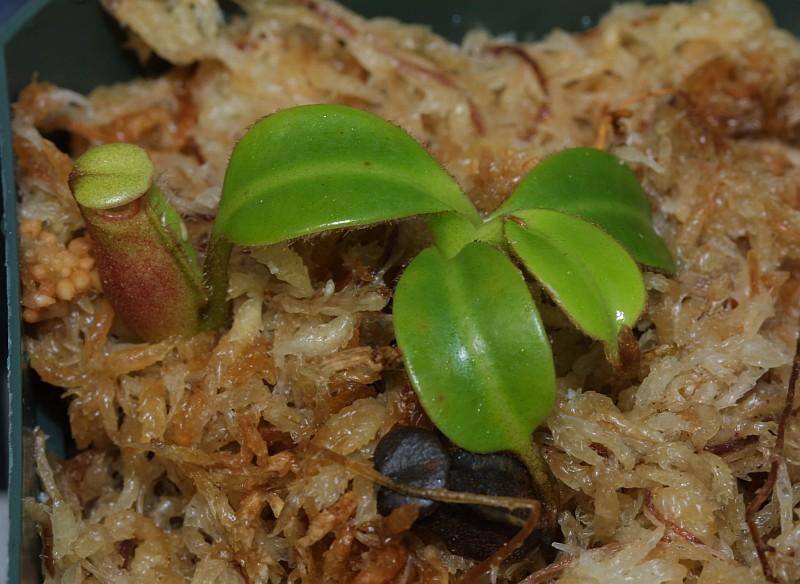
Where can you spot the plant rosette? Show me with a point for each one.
(474, 346)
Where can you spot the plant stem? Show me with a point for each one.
(451, 232)
(531, 455)
(491, 231)
(218, 255)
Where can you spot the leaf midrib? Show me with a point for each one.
(275, 180)
(495, 398)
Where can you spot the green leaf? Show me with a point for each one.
(474, 347)
(600, 188)
(591, 276)
(314, 168)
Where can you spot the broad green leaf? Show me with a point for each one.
(591, 276)
(314, 168)
(600, 188)
(474, 347)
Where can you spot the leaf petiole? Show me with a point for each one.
(531, 455)
(218, 254)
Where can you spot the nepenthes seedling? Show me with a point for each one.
(474, 345)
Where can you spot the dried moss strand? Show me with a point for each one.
(549, 572)
(669, 523)
(766, 489)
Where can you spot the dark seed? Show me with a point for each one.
(491, 474)
(477, 531)
(414, 457)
